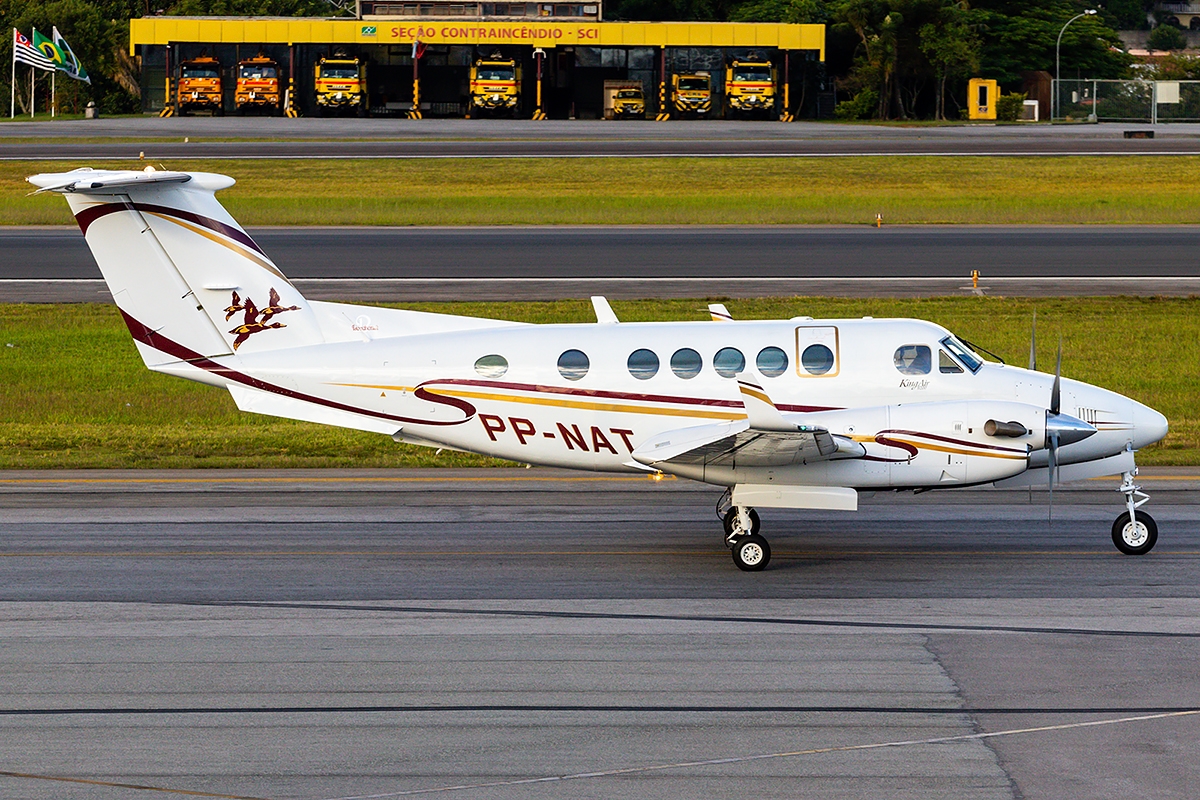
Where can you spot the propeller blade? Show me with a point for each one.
(1033, 344)
(1056, 393)
(1052, 452)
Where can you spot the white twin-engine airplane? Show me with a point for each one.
(799, 413)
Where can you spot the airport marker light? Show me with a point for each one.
(246, 30)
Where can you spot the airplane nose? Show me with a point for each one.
(1149, 426)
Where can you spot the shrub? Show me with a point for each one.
(862, 106)
(1166, 37)
(1008, 106)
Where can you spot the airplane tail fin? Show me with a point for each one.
(187, 278)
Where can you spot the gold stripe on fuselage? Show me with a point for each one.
(584, 405)
(207, 234)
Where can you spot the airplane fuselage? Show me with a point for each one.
(921, 421)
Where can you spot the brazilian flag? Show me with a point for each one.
(58, 51)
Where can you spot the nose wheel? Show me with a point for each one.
(1135, 532)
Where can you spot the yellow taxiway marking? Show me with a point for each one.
(114, 785)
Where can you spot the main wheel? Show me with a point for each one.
(751, 553)
(731, 515)
(1135, 537)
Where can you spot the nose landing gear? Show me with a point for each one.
(1135, 532)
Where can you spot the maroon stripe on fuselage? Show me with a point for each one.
(89, 215)
(152, 339)
(948, 440)
(607, 395)
(236, 234)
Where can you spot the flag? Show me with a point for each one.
(418, 51)
(48, 49)
(70, 64)
(26, 53)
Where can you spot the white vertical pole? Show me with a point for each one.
(53, 97)
(12, 84)
(32, 103)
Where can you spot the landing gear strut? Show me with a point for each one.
(1135, 532)
(750, 551)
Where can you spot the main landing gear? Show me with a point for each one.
(1134, 533)
(750, 551)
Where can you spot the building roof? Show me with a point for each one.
(161, 30)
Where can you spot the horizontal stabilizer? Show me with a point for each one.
(93, 181)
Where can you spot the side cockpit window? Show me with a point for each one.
(946, 364)
(962, 353)
(912, 359)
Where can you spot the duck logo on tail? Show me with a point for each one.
(255, 320)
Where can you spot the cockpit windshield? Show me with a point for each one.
(256, 72)
(752, 75)
(693, 84)
(189, 71)
(962, 353)
(494, 74)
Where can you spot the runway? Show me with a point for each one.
(536, 633)
(266, 138)
(545, 263)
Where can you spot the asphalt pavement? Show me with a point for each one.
(516, 634)
(265, 138)
(495, 263)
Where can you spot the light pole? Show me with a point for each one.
(1091, 12)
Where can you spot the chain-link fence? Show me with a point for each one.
(1075, 100)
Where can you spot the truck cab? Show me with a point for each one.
(750, 88)
(624, 100)
(495, 87)
(691, 93)
(341, 85)
(257, 85)
(199, 86)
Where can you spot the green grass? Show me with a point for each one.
(74, 393)
(550, 191)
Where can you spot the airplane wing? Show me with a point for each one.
(764, 439)
(736, 443)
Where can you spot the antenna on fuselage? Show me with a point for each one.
(1033, 344)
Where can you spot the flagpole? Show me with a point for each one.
(12, 84)
(53, 102)
(32, 96)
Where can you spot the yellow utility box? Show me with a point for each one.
(981, 98)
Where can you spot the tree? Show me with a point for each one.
(952, 47)
(790, 11)
(1020, 36)
(1166, 37)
